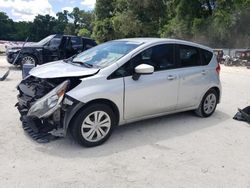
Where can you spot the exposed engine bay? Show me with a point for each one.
(41, 104)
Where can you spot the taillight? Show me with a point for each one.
(218, 68)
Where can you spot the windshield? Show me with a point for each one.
(45, 40)
(105, 54)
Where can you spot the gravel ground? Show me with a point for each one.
(179, 150)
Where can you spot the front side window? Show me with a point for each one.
(161, 57)
(189, 56)
(55, 42)
(45, 40)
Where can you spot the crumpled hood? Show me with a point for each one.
(59, 69)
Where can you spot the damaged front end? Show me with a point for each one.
(42, 104)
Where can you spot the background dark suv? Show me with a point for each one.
(51, 48)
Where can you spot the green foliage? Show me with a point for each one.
(42, 27)
(103, 30)
(218, 23)
(128, 18)
(6, 27)
(213, 22)
(72, 23)
(69, 29)
(84, 32)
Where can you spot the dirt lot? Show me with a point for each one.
(179, 150)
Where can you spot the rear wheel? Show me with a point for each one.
(93, 125)
(208, 104)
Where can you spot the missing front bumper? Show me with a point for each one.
(38, 130)
(48, 129)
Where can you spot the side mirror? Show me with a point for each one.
(142, 70)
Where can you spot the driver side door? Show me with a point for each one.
(151, 94)
(51, 51)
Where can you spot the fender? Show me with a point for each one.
(38, 53)
(32, 52)
(208, 88)
(70, 113)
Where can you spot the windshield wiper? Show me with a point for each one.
(84, 64)
(69, 59)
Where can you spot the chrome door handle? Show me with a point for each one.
(171, 77)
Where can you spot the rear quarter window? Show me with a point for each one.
(206, 56)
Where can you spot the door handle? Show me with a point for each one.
(203, 72)
(171, 77)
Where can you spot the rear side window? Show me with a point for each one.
(207, 56)
(76, 41)
(89, 43)
(189, 56)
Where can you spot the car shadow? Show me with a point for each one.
(15, 68)
(10, 67)
(126, 137)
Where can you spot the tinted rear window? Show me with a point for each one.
(207, 56)
(76, 41)
(89, 43)
(189, 56)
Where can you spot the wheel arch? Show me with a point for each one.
(217, 91)
(216, 88)
(108, 102)
(29, 54)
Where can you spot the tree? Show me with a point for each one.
(84, 32)
(130, 21)
(22, 30)
(42, 27)
(75, 16)
(103, 27)
(80, 19)
(61, 22)
(217, 23)
(6, 27)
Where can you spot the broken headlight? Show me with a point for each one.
(48, 104)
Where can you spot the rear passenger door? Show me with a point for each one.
(193, 76)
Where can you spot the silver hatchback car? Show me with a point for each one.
(116, 83)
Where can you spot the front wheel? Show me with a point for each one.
(208, 104)
(28, 59)
(93, 125)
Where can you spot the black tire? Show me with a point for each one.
(76, 128)
(201, 110)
